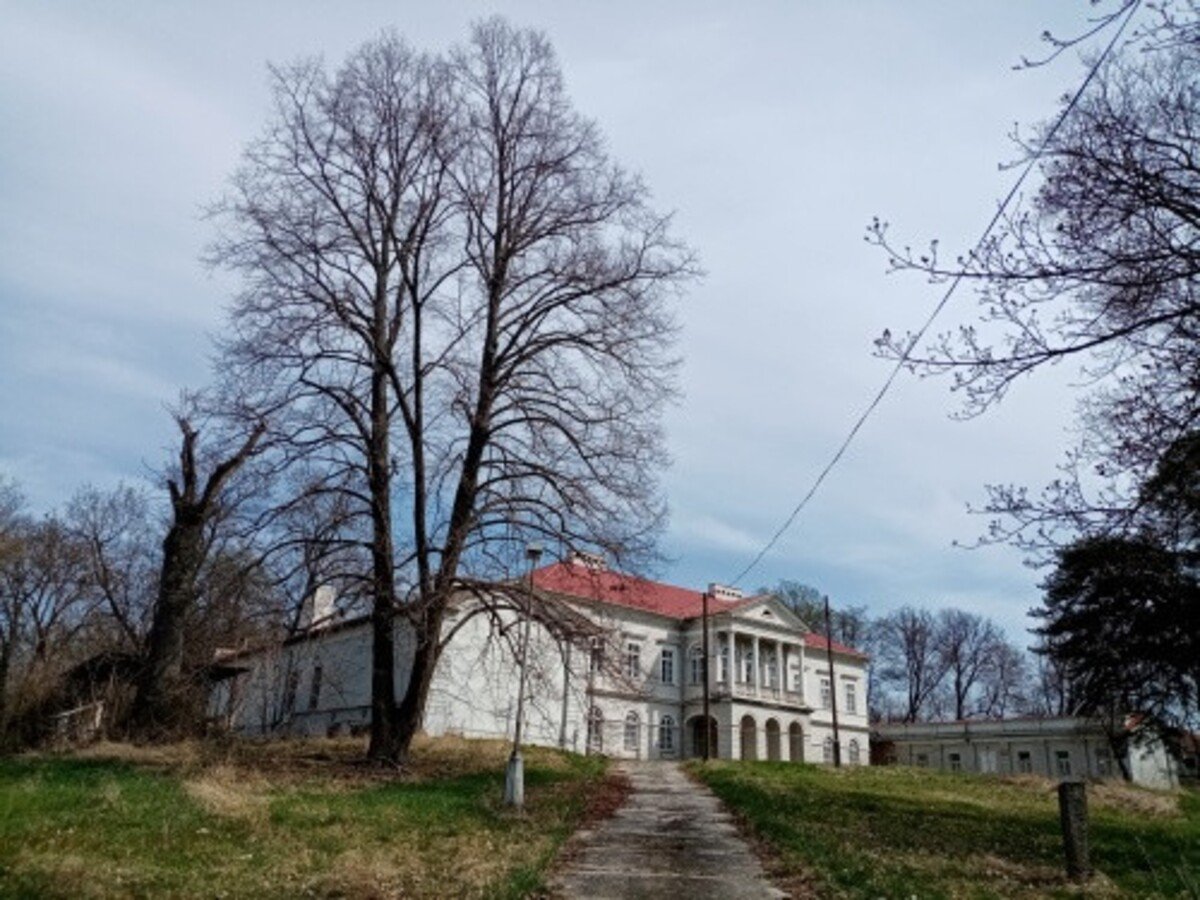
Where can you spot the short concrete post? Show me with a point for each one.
(1072, 811)
(514, 780)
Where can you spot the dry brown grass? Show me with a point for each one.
(226, 791)
(1117, 795)
(1110, 794)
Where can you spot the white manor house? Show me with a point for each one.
(635, 691)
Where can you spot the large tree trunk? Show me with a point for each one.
(167, 699)
(386, 743)
(5, 657)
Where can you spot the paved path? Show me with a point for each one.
(671, 838)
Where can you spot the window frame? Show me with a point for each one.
(633, 729)
(633, 659)
(1062, 763)
(666, 665)
(666, 733)
(314, 687)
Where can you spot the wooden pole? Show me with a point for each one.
(706, 726)
(837, 744)
(1072, 814)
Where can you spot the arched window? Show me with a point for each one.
(827, 750)
(697, 665)
(666, 734)
(595, 730)
(633, 729)
(854, 755)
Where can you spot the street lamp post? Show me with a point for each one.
(514, 775)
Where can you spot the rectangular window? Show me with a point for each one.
(923, 760)
(1024, 762)
(955, 762)
(314, 689)
(289, 692)
(851, 698)
(825, 696)
(748, 667)
(633, 660)
(725, 662)
(1103, 762)
(1062, 762)
(597, 659)
(667, 666)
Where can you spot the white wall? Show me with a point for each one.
(474, 690)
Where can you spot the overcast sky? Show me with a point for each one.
(774, 130)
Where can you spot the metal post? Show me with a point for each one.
(706, 726)
(514, 775)
(837, 744)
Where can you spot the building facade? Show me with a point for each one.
(1059, 747)
(634, 689)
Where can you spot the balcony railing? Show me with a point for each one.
(746, 690)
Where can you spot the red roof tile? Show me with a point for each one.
(607, 586)
(818, 642)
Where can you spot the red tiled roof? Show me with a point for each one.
(606, 586)
(818, 642)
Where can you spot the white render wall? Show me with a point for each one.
(634, 714)
(1066, 747)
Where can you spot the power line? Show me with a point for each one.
(937, 310)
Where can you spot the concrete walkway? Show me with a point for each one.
(671, 838)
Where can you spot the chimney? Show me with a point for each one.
(722, 592)
(318, 608)
(592, 561)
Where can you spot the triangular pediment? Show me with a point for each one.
(768, 609)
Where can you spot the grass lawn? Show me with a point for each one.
(296, 819)
(901, 832)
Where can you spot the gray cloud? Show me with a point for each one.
(775, 131)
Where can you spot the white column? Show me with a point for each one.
(734, 673)
(757, 662)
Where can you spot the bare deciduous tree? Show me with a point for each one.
(115, 531)
(907, 641)
(1005, 685)
(1097, 267)
(966, 647)
(455, 311)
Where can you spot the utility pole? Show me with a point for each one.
(708, 730)
(837, 744)
(566, 698)
(514, 775)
